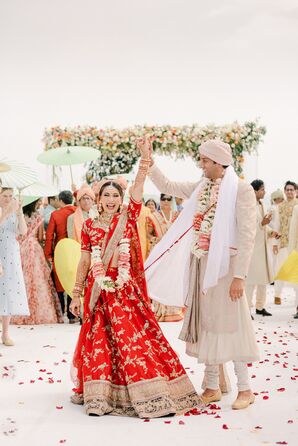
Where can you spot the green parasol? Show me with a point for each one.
(37, 190)
(68, 155)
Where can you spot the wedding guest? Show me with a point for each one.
(158, 223)
(57, 230)
(179, 203)
(123, 364)
(85, 201)
(281, 248)
(13, 298)
(260, 270)
(151, 204)
(53, 205)
(277, 197)
(43, 300)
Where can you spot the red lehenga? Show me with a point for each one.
(123, 364)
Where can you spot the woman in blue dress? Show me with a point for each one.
(13, 298)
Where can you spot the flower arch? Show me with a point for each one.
(118, 147)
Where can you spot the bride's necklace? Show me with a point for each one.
(105, 221)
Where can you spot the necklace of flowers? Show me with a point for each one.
(204, 217)
(105, 282)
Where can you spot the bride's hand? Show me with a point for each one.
(144, 146)
(75, 306)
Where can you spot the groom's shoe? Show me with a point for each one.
(240, 403)
(263, 312)
(216, 396)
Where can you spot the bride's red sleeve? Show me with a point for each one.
(133, 211)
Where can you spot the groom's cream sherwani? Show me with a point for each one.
(225, 330)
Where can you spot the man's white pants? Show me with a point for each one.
(241, 371)
(260, 295)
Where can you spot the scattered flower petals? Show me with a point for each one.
(224, 426)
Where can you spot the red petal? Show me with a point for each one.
(224, 426)
(167, 422)
(181, 422)
(59, 407)
(290, 421)
(282, 389)
(265, 397)
(258, 427)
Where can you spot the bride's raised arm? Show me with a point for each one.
(144, 146)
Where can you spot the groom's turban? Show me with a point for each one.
(217, 151)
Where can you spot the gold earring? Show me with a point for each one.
(99, 207)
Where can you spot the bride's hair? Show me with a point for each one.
(111, 184)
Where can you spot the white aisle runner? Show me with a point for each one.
(35, 386)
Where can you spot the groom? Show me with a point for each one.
(205, 266)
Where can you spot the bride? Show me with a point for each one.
(123, 365)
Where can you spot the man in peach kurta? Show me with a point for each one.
(218, 326)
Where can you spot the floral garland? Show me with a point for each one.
(105, 282)
(204, 217)
(118, 152)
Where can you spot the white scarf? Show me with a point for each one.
(168, 278)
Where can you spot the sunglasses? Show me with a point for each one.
(166, 199)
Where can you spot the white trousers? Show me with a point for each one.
(260, 295)
(241, 371)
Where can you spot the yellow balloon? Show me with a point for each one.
(66, 257)
(289, 269)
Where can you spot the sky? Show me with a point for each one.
(124, 62)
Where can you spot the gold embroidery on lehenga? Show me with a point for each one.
(151, 398)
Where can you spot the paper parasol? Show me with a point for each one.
(289, 269)
(16, 175)
(66, 257)
(68, 155)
